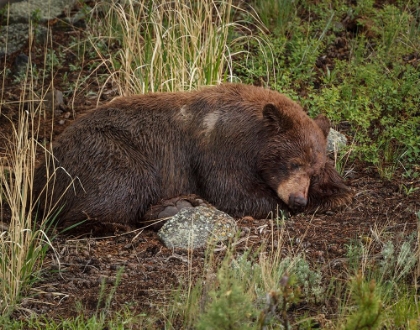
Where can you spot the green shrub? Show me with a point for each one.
(376, 90)
(367, 308)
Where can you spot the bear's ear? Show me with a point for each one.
(275, 116)
(323, 123)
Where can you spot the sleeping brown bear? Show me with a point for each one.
(244, 149)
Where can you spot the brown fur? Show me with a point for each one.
(234, 145)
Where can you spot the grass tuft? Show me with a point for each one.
(23, 240)
(167, 45)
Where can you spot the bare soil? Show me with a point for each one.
(152, 271)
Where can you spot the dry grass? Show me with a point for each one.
(169, 45)
(23, 243)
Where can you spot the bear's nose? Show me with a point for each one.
(297, 201)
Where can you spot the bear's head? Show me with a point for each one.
(293, 160)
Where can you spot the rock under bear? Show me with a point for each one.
(246, 150)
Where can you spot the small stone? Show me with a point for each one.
(335, 141)
(193, 228)
(22, 11)
(53, 100)
(15, 36)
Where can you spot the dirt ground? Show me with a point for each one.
(151, 271)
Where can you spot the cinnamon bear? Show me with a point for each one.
(246, 150)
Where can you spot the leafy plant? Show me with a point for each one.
(367, 305)
(379, 292)
(229, 306)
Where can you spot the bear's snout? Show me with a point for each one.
(297, 201)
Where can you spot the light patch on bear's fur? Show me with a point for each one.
(210, 121)
(184, 110)
(184, 113)
(296, 184)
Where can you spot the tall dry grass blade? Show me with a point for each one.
(168, 45)
(24, 243)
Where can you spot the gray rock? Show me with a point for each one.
(193, 228)
(53, 100)
(335, 141)
(44, 10)
(13, 37)
(5, 2)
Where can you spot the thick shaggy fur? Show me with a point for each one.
(244, 149)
